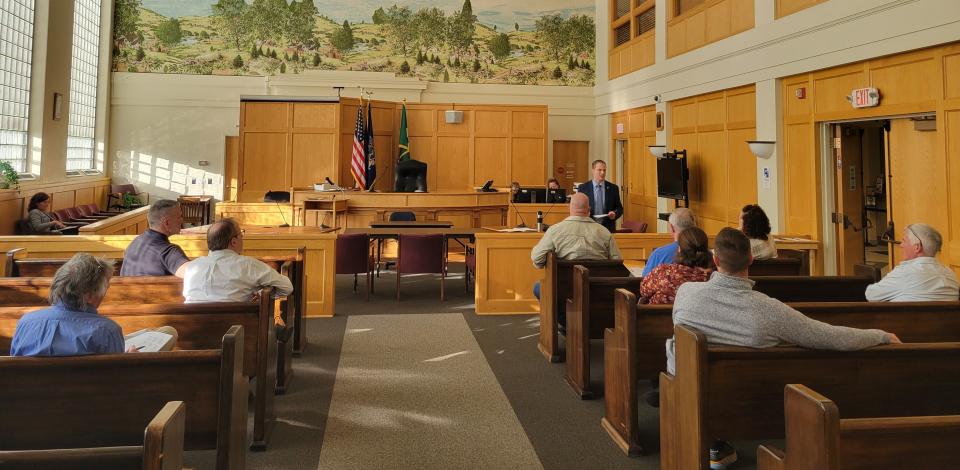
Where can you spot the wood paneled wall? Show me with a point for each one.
(13, 204)
(714, 128)
(709, 22)
(639, 178)
(789, 7)
(636, 53)
(915, 82)
(296, 144)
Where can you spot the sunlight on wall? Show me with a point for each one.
(167, 175)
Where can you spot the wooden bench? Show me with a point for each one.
(819, 439)
(737, 393)
(198, 326)
(786, 266)
(104, 400)
(28, 291)
(293, 308)
(18, 265)
(785, 288)
(635, 348)
(555, 290)
(589, 313)
(162, 448)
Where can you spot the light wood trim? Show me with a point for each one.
(789, 7)
(639, 51)
(129, 223)
(694, 28)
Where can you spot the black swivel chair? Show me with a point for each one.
(410, 176)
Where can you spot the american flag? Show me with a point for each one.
(358, 162)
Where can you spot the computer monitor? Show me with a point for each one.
(526, 195)
(556, 196)
(411, 176)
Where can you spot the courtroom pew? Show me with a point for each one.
(17, 264)
(556, 288)
(161, 449)
(817, 438)
(784, 288)
(104, 400)
(736, 393)
(29, 291)
(198, 326)
(589, 313)
(785, 266)
(635, 348)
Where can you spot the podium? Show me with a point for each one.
(317, 209)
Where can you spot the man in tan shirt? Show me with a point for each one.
(576, 237)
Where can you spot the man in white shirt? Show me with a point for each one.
(225, 275)
(919, 277)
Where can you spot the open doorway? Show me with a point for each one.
(868, 172)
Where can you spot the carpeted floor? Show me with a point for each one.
(376, 404)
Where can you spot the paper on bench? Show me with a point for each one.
(517, 229)
(146, 341)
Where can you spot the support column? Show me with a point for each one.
(770, 170)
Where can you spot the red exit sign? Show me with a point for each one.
(864, 97)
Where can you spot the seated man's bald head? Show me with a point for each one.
(579, 205)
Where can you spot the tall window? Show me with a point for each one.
(83, 86)
(16, 55)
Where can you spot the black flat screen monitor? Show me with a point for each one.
(410, 176)
(539, 195)
(525, 195)
(556, 196)
(672, 178)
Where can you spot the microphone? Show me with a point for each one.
(522, 224)
(327, 178)
(545, 226)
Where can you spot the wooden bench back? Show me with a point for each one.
(635, 345)
(26, 291)
(737, 392)
(557, 287)
(819, 439)
(104, 400)
(785, 266)
(813, 288)
(162, 449)
(590, 311)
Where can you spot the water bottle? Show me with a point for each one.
(539, 221)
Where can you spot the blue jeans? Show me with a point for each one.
(536, 290)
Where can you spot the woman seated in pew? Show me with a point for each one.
(71, 326)
(692, 263)
(756, 226)
(39, 216)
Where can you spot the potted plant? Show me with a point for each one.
(10, 177)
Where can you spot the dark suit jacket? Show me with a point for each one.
(611, 199)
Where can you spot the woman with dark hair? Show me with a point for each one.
(693, 263)
(756, 226)
(39, 217)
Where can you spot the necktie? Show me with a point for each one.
(598, 199)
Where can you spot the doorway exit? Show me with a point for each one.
(867, 157)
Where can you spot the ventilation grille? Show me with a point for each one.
(646, 21)
(623, 7)
(621, 35)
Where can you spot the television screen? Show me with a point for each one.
(672, 178)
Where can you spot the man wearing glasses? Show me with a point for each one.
(919, 277)
(225, 275)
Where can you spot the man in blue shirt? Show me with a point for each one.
(680, 220)
(151, 253)
(71, 326)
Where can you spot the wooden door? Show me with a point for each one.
(849, 191)
(571, 162)
(231, 155)
(917, 175)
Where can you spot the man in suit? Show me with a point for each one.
(604, 196)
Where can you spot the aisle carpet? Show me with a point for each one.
(414, 391)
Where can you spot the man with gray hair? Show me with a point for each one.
(919, 277)
(151, 253)
(225, 275)
(71, 326)
(680, 220)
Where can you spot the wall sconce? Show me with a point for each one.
(762, 148)
(657, 150)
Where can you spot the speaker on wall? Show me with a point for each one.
(454, 117)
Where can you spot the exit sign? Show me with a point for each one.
(864, 97)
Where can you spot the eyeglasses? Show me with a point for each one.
(240, 233)
(917, 238)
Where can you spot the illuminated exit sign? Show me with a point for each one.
(864, 97)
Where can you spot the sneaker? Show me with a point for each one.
(284, 333)
(722, 455)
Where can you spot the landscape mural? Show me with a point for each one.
(529, 42)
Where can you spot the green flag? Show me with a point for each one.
(404, 140)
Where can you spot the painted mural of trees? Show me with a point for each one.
(400, 27)
(126, 16)
(342, 38)
(229, 16)
(169, 32)
(461, 28)
(571, 36)
(500, 46)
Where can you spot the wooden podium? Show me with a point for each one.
(316, 209)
